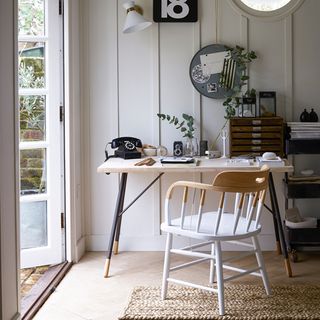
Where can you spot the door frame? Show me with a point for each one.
(9, 195)
(53, 252)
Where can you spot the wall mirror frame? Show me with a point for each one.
(273, 15)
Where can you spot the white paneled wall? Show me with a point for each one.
(128, 78)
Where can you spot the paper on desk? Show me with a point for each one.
(213, 62)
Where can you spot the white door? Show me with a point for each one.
(41, 133)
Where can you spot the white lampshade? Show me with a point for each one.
(134, 21)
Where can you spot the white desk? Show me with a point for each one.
(117, 165)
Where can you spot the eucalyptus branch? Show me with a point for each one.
(186, 126)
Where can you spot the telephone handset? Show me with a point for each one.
(127, 148)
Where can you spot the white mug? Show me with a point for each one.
(212, 154)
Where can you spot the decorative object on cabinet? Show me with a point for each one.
(267, 103)
(302, 186)
(255, 136)
(247, 107)
(134, 20)
(313, 116)
(305, 116)
(175, 11)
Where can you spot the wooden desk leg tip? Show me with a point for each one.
(106, 268)
(278, 247)
(116, 247)
(288, 267)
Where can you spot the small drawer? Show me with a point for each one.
(256, 135)
(272, 121)
(256, 148)
(276, 129)
(255, 142)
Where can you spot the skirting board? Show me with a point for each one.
(157, 243)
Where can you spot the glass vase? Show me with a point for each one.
(190, 147)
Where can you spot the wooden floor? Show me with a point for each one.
(85, 294)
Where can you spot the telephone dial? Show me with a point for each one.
(127, 148)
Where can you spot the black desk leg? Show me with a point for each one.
(276, 232)
(116, 240)
(276, 213)
(118, 210)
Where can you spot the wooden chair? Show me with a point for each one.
(247, 190)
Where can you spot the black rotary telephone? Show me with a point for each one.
(127, 148)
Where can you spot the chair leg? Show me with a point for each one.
(166, 267)
(261, 264)
(212, 266)
(220, 283)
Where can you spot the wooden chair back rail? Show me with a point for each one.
(241, 181)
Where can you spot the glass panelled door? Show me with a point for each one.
(41, 178)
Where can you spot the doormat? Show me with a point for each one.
(245, 302)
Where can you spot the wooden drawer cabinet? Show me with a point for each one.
(256, 136)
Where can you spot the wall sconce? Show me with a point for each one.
(134, 21)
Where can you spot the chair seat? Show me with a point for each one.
(207, 226)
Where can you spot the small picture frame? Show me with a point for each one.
(267, 103)
(212, 87)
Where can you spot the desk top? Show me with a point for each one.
(119, 165)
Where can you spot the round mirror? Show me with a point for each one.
(265, 5)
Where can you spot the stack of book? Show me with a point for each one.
(304, 130)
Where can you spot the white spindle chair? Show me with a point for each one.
(218, 226)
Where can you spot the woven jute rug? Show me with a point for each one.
(245, 302)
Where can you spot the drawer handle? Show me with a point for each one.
(256, 128)
(256, 135)
(256, 141)
(255, 122)
(256, 148)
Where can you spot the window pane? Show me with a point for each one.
(265, 5)
(32, 118)
(31, 65)
(31, 17)
(33, 224)
(33, 176)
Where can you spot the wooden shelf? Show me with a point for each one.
(303, 190)
(303, 146)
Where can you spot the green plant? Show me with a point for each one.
(232, 102)
(242, 59)
(186, 126)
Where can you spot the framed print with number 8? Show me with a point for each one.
(175, 10)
